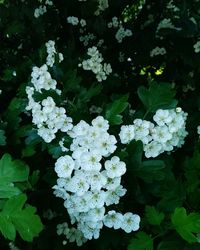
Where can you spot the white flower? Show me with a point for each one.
(112, 183)
(96, 214)
(90, 161)
(96, 180)
(48, 104)
(113, 196)
(153, 149)
(100, 123)
(72, 20)
(80, 129)
(82, 22)
(64, 166)
(127, 133)
(113, 219)
(97, 199)
(47, 134)
(107, 144)
(162, 117)
(161, 134)
(66, 124)
(130, 222)
(78, 185)
(115, 167)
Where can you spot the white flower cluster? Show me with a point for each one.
(46, 115)
(84, 38)
(158, 51)
(114, 23)
(197, 47)
(96, 65)
(75, 21)
(51, 51)
(40, 11)
(121, 33)
(42, 8)
(166, 24)
(89, 183)
(168, 132)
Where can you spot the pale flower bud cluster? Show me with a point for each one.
(96, 65)
(89, 183)
(158, 51)
(72, 234)
(121, 32)
(85, 39)
(167, 132)
(42, 9)
(51, 51)
(47, 117)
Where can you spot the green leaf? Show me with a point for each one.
(23, 220)
(153, 216)
(192, 172)
(135, 152)
(158, 96)
(170, 245)
(28, 151)
(2, 138)
(186, 225)
(12, 115)
(115, 109)
(54, 150)
(87, 94)
(141, 242)
(151, 170)
(7, 228)
(8, 190)
(34, 178)
(11, 172)
(72, 81)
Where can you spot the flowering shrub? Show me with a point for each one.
(100, 125)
